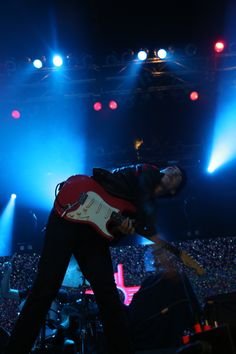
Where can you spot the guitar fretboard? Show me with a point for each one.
(169, 247)
(119, 218)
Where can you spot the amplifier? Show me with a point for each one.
(218, 340)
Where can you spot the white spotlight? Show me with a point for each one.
(162, 53)
(142, 55)
(57, 60)
(211, 168)
(37, 63)
(13, 196)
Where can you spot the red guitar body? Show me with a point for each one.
(81, 199)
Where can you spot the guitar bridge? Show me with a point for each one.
(80, 201)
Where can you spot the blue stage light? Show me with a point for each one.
(222, 153)
(37, 63)
(162, 53)
(6, 228)
(224, 142)
(142, 55)
(57, 60)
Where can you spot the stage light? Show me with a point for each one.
(194, 96)
(161, 53)
(224, 143)
(113, 104)
(219, 158)
(13, 196)
(6, 228)
(138, 143)
(142, 55)
(224, 150)
(37, 63)
(15, 114)
(97, 106)
(57, 60)
(219, 46)
(212, 168)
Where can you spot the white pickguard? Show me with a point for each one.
(94, 210)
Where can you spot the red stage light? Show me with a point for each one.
(15, 114)
(113, 104)
(219, 46)
(194, 96)
(97, 106)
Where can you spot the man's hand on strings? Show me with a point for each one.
(127, 227)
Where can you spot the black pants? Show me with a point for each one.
(92, 253)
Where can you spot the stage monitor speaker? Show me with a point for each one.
(161, 310)
(221, 308)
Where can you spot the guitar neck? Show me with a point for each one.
(118, 218)
(168, 247)
(185, 258)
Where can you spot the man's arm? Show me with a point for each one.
(183, 255)
(127, 227)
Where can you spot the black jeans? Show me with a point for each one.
(92, 253)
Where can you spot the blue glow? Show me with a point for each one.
(162, 53)
(143, 241)
(142, 55)
(46, 166)
(6, 228)
(224, 142)
(57, 60)
(37, 63)
(46, 147)
(133, 75)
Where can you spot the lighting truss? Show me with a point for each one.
(153, 76)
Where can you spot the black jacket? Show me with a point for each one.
(135, 183)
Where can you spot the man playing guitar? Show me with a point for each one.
(88, 213)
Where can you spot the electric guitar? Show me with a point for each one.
(81, 199)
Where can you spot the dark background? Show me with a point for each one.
(31, 27)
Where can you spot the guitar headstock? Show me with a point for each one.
(191, 263)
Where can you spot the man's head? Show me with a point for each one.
(173, 178)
